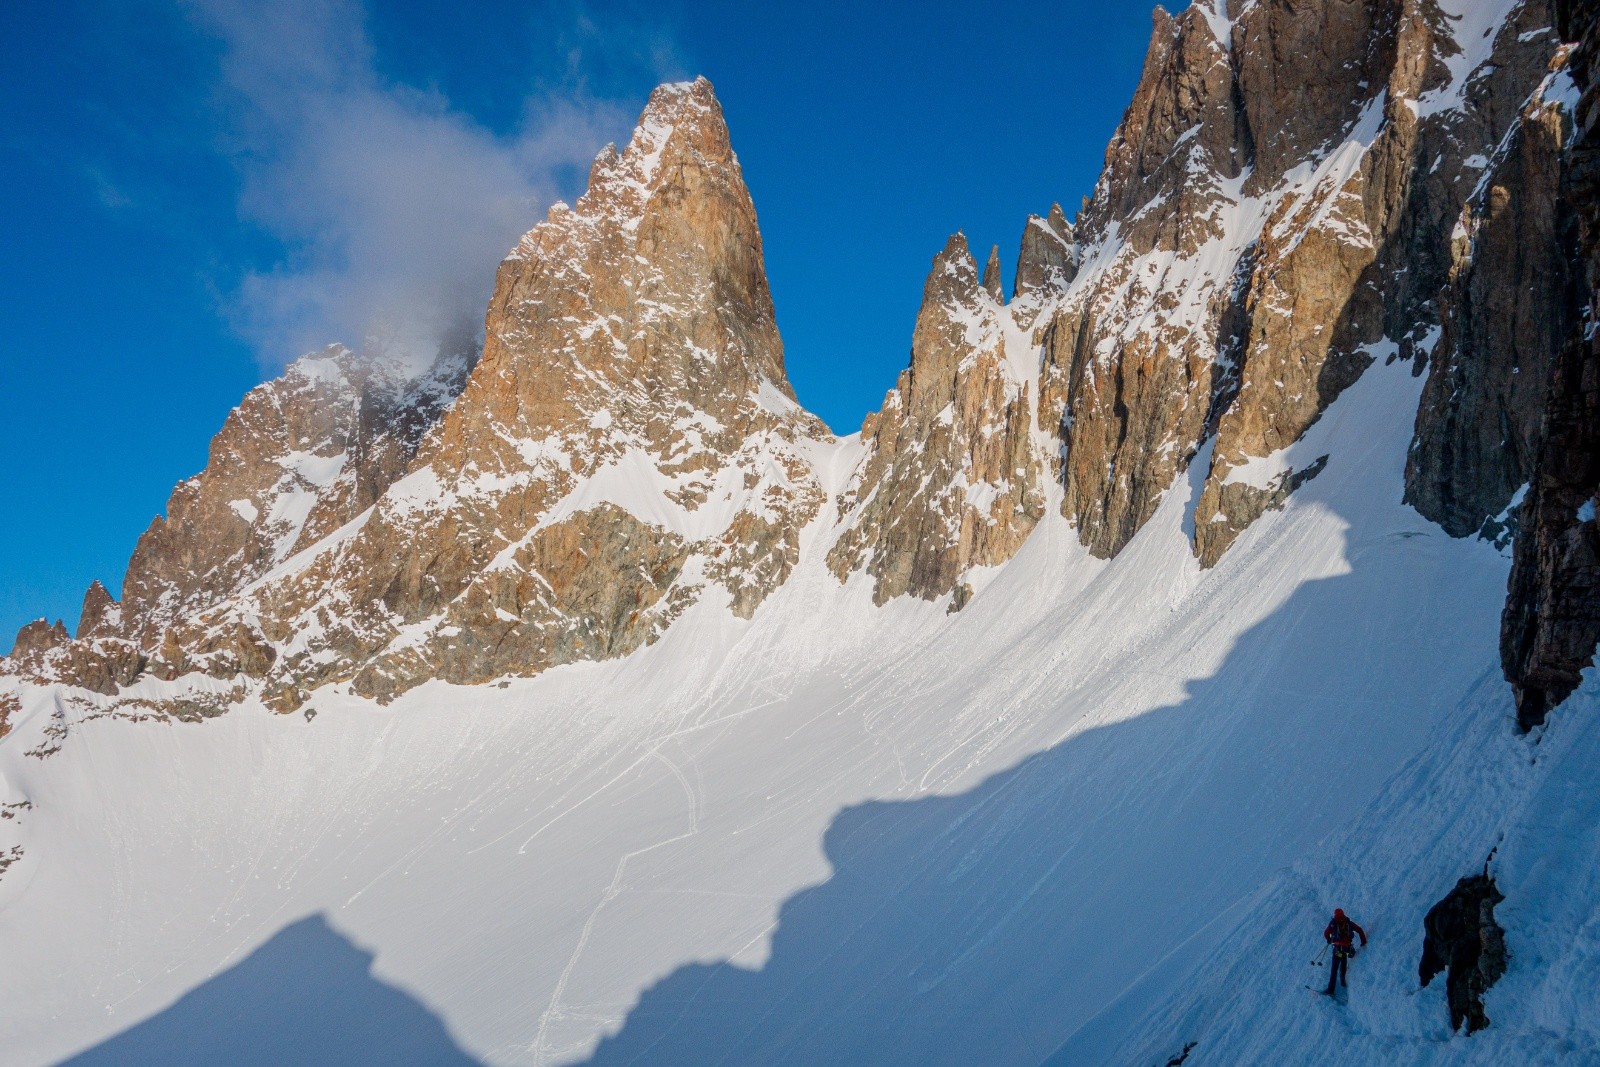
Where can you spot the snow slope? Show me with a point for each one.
(1482, 793)
(846, 834)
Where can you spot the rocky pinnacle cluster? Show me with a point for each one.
(1296, 192)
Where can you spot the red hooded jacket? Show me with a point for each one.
(1342, 932)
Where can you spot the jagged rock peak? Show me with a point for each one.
(38, 637)
(628, 443)
(954, 299)
(681, 127)
(101, 615)
(953, 279)
(991, 275)
(301, 456)
(665, 234)
(952, 479)
(1049, 257)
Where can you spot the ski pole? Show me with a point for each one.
(1318, 961)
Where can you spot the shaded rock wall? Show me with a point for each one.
(1552, 617)
(1507, 309)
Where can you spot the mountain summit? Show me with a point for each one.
(629, 442)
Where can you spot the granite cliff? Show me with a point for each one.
(1296, 192)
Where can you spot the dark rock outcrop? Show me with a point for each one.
(991, 276)
(1507, 309)
(101, 615)
(1461, 938)
(39, 637)
(1551, 623)
(630, 344)
(1183, 1056)
(1048, 256)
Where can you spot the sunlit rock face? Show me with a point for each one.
(1275, 213)
(1295, 192)
(627, 442)
(300, 457)
(953, 477)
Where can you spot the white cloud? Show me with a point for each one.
(394, 206)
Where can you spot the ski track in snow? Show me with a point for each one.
(1102, 810)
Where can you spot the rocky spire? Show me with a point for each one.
(631, 347)
(675, 197)
(1049, 255)
(101, 615)
(952, 480)
(38, 637)
(991, 276)
(628, 441)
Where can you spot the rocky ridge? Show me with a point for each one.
(1295, 192)
(1242, 280)
(300, 457)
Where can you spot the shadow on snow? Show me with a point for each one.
(989, 926)
(307, 996)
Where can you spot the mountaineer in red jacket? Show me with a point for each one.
(1341, 933)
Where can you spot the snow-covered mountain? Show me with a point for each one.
(615, 711)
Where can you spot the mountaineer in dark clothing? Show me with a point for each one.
(1341, 933)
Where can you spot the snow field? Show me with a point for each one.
(834, 833)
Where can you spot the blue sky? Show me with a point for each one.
(195, 192)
